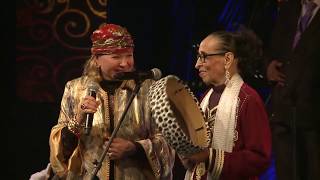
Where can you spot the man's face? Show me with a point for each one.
(111, 64)
(211, 62)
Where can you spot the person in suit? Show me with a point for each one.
(294, 59)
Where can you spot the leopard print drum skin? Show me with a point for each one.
(178, 115)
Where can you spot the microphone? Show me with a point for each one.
(154, 74)
(89, 116)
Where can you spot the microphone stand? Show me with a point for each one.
(98, 164)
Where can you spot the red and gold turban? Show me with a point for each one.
(111, 38)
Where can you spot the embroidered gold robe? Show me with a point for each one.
(137, 127)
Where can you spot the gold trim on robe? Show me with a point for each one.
(137, 126)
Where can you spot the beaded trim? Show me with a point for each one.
(226, 116)
(218, 164)
(200, 170)
(210, 159)
(74, 126)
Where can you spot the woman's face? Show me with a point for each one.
(211, 62)
(111, 64)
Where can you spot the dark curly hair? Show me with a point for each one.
(246, 46)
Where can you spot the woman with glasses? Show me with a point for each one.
(241, 143)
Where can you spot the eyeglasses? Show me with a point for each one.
(203, 56)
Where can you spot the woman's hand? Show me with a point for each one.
(274, 73)
(190, 161)
(121, 148)
(88, 105)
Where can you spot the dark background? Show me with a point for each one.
(53, 41)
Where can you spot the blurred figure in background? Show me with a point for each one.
(293, 68)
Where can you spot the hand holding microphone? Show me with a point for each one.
(89, 106)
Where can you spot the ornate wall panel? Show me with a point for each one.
(52, 43)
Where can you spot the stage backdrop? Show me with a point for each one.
(53, 41)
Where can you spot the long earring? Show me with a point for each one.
(98, 71)
(98, 68)
(227, 75)
(96, 64)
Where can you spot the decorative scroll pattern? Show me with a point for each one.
(52, 44)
